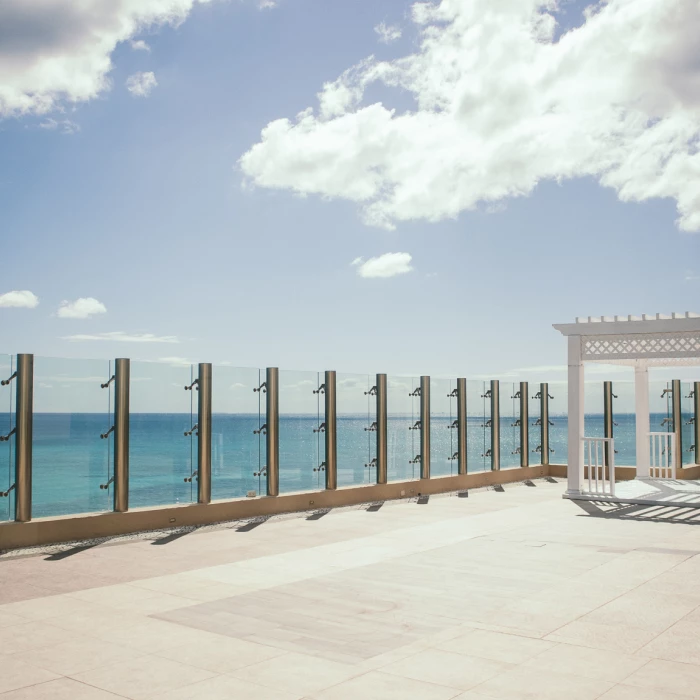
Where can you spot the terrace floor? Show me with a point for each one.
(512, 594)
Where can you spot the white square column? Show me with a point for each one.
(641, 409)
(576, 395)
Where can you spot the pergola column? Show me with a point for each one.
(576, 408)
(641, 409)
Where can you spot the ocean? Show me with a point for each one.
(70, 460)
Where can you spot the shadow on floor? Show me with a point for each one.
(628, 511)
(69, 552)
(375, 507)
(251, 525)
(318, 514)
(171, 538)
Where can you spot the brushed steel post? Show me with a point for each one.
(204, 431)
(331, 432)
(461, 426)
(273, 431)
(495, 426)
(425, 427)
(122, 376)
(24, 416)
(524, 425)
(677, 415)
(696, 413)
(607, 416)
(544, 420)
(382, 450)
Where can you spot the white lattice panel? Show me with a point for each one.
(641, 346)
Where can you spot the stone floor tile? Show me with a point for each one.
(447, 668)
(508, 648)
(142, 677)
(15, 674)
(667, 676)
(60, 689)
(225, 688)
(680, 642)
(31, 635)
(384, 686)
(533, 684)
(628, 692)
(620, 638)
(297, 673)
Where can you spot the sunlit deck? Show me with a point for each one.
(512, 594)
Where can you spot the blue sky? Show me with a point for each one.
(142, 209)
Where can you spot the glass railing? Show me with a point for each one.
(559, 422)
(74, 431)
(302, 443)
(71, 460)
(478, 430)
(238, 450)
(687, 424)
(7, 503)
(509, 407)
(356, 410)
(403, 441)
(443, 428)
(625, 424)
(163, 447)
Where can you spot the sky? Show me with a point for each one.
(369, 186)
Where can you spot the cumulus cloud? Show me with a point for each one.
(387, 33)
(121, 337)
(141, 84)
(387, 265)
(501, 104)
(19, 299)
(56, 51)
(81, 308)
(140, 45)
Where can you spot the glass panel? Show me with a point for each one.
(70, 460)
(687, 427)
(443, 429)
(237, 452)
(558, 416)
(302, 444)
(403, 444)
(163, 453)
(594, 405)
(509, 408)
(660, 406)
(478, 433)
(534, 408)
(7, 467)
(356, 411)
(625, 424)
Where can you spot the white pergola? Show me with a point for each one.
(640, 342)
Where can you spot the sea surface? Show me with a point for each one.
(71, 461)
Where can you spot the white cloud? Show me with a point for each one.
(140, 45)
(81, 308)
(65, 126)
(387, 33)
(19, 299)
(387, 265)
(176, 362)
(501, 106)
(121, 337)
(141, 84)
(56, 51)
(267, 4)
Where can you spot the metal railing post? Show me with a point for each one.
(524, 425)
(24, 407)
(677, 420)
(273, 434)
(331, 434)
(204, 433)
(382, 451)
(495, 426)
(425, 427)
(122, 374)
(461, 425)
(544, 420)
(608, 421)
(696, 419)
